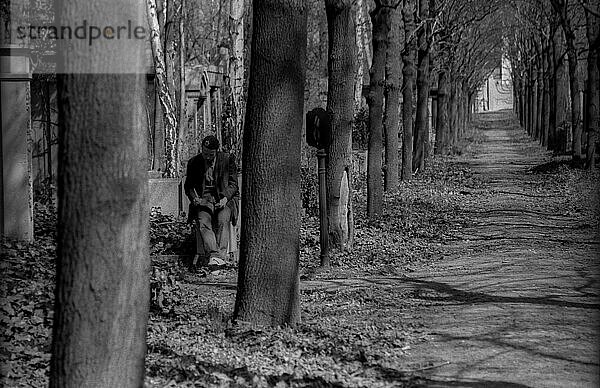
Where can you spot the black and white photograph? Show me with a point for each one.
(300, 193)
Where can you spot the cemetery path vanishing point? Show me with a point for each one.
(514, 302)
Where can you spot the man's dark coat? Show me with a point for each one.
(226, 181)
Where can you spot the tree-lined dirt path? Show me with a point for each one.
(514, 302)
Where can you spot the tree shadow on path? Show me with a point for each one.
(452, 294)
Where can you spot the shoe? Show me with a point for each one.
(215, 263)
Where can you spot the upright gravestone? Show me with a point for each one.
(16, 192)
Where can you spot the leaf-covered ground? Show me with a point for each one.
(350, 336)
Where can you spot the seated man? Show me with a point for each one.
(212, 187)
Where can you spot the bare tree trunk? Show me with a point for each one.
(360, 22)
(408, 73)
(540, 99)
(441, 127)
(236, 71)
(102, 283)
(546, 96)
(527, 97)
(534, 106)
(380, 18)
(460, 117)
(576, 113)
(593, 108)
(166, 100)
(422, 114)
(268, 276)
(562, 97)
(453, 113)
(561, 8)
(552, 89)
(340, 96)
(183, 125)
(393, 83)
(462, 111)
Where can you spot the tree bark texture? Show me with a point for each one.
(441, 126)
(546, 96)
(408, 83)
(561, 9)
(268, 278)
(102, 284)
(422, 113)
(552, 90)
(380, 19)
(453, 113)
(593, 105)
(393, 84)
(237, 70)
(576, 108)
(182, 119)
(164, 92)
(340, 97)
(562, 97)
(534, 106)
(539, 98)
(362, 52)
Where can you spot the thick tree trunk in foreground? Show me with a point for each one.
(422, 114)
(102, 283)
(268, 278)
(380, 18)
(340, 97)
(441, 126)
(393, 83)
(408, 73)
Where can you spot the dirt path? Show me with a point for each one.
(516, 301)
(513, 299)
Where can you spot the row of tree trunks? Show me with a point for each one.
(592, 15)
(543, 92)
(548, 89)
(422, 114)
(561, 8)
(341, 66)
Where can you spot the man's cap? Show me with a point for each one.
(211, 142)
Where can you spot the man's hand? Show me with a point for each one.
(222, 203)
(196, 201)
